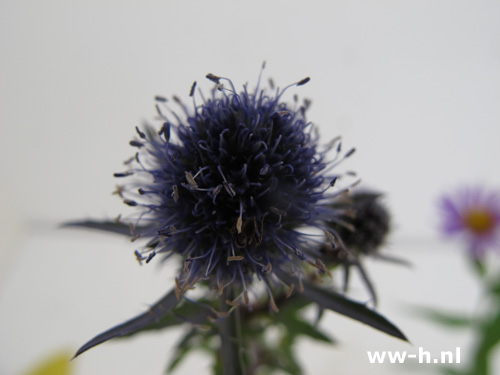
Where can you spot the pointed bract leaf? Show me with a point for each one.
(155, 313)
(108, 226)
(334, 301)
(368, 283)
(355, 310)
(186, 313)
(393, 259)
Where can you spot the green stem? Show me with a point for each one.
(230, 335)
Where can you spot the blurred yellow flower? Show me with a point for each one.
(56, 364)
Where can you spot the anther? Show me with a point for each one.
(141, 134)
(193, 87)
(303, 81)
(229, 189)
(160, 99)
(213, 78)
(136, 144)
(175, 193)
(235, 258)
(217, 190)
(124, 174)
(150, 256)
(268, 269)
(165, 130)
(130, 202)
(350, 152)
(190, 179)
(139, 257)
(239, 224)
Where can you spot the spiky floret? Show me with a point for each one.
(364, 231)
(233, 186)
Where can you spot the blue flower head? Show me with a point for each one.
(238, 188)
(233, 185)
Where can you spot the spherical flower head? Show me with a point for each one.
(364, 228)
(229, 185)
(473, 214)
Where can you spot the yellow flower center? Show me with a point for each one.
(479, 221)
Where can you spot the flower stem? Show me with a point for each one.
(230, 335)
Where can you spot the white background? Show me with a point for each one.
(413, 85)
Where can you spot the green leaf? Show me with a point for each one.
(301, 327)
(445, 319)
(342, 305)
(183, 347)
(495, 288)
(155, 313)
(489, 340)
(479, 267)
(286, 361)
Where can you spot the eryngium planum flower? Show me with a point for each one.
(238, 188)
(231, 185)
(366, 225)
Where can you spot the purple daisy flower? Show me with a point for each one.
(473, 213)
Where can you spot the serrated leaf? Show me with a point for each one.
(155, 313)
(334, 301)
